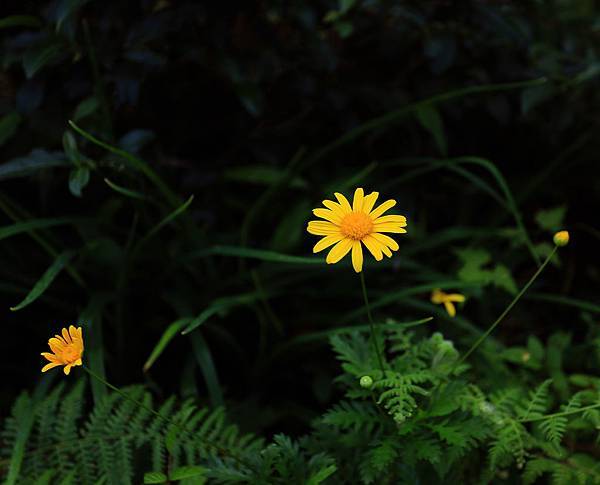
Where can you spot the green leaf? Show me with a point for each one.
(86, 108)
(29, 164)
(78, 179)
(35, 59)
(535, 96)
(70, 148)
(430, 119)
(19, 21)
(189, 471)
(126, 192)
(164, 340)
(321, 475)
(23, 410)
(8, 126)
(551, 219)
(44, 282)
(172, 216)
(155, 477)
(33, 224)
(263, 255)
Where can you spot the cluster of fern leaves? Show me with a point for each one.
(420, 419)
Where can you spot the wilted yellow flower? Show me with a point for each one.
(561, 238)
(348, 226)
(66, 350)
(447, 299)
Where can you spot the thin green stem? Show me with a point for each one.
(508, 308)
(561, 414)
(371, 323)
(210, 443)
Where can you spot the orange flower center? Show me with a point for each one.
(70, 353)
(356, 225)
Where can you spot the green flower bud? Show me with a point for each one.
(366, 382)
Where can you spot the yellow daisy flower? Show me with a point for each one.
(447, 299)
(66, 349)
(348, 226)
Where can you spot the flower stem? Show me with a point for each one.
(210, 443)
(563, 413)
(371, 323)
(507, 309)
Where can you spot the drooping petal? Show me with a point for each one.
(456, 297)
(49, 356)
(385, 250)
(388, 227)
(327, 241)
(335, 208)
(450, 308)
(401, 220)
(369, 202)
(67, 369)
(373, 246)
(343, 202)
(327, 215)
(49, 366)
(386, 241)
(339, 251)
(357, 202)
(322, 228)
(78, 362)
(357, 256)
(388, 204)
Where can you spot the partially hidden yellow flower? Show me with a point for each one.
(66, 349)
(447, 299)
(561, 238)
(348, 226)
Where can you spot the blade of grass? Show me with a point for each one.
(46, 280)
(207, 366)
(28, 226)
(138, 164)
(164, 340)
(170, 217)
(565, 300)
(263, 255)
(126, 192)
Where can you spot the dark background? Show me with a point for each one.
(230, 101)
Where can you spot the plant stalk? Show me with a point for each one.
(371, 323)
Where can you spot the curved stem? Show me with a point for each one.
(371, 323)
(563, 413)
(508, 308)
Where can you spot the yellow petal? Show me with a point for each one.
(343, 202)
(75, 335)
(66, 336)
(335, 208)
(322, 228)
(339, 251)
(78, 362)
(67, 369)
(80, 333)
(386, 240)
(388, 227)
(357, 256)
(49, 356)
(357, 202)
(373, 246)
(369, 202)
(327, 241)
(56, 345)
(456, 297)
(450, 308)
(327, 215)
(388, 204)
(50, 366)
(437, 296)
(401, 220)
(385, 250)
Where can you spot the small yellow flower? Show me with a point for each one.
(348, 226)
(561, 238)
(448, 299)
(66, 350)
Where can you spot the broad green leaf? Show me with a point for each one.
(46, 280)
(430, 119)
(29, 164)
(32, 225)
(78, 179)
(551, 219)
(35, 59)
(19, 21)
(155, 477)
(70, 147)
(8, 126)
(85, 108)
(164, 340)
(189, 471)
(473, 270)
